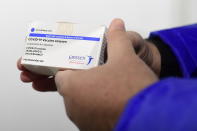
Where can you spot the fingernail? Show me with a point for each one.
(117, 24)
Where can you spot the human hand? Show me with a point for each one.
(39, 82)
(95, 98)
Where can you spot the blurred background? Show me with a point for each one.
(22, 108)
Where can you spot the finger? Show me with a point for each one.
(136, 39)
(27, 76)
(142, 49)
(119, 45)
(20, 66)
(44, 85)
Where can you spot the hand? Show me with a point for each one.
(147, 51)
(95, 98)
(39, 82)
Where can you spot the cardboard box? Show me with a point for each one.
(50, 47)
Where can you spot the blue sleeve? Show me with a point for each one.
(183, 42)
(169, 105)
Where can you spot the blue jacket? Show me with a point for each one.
(170, 104)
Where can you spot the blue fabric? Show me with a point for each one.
(170, 104)
(183, 42)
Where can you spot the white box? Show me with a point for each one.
(62, 45)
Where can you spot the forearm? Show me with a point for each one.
(168, 105)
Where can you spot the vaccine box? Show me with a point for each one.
(50, 47)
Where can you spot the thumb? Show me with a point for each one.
(119, 44)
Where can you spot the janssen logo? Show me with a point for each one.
(40, 30)
(90, 58)
(80, 59)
